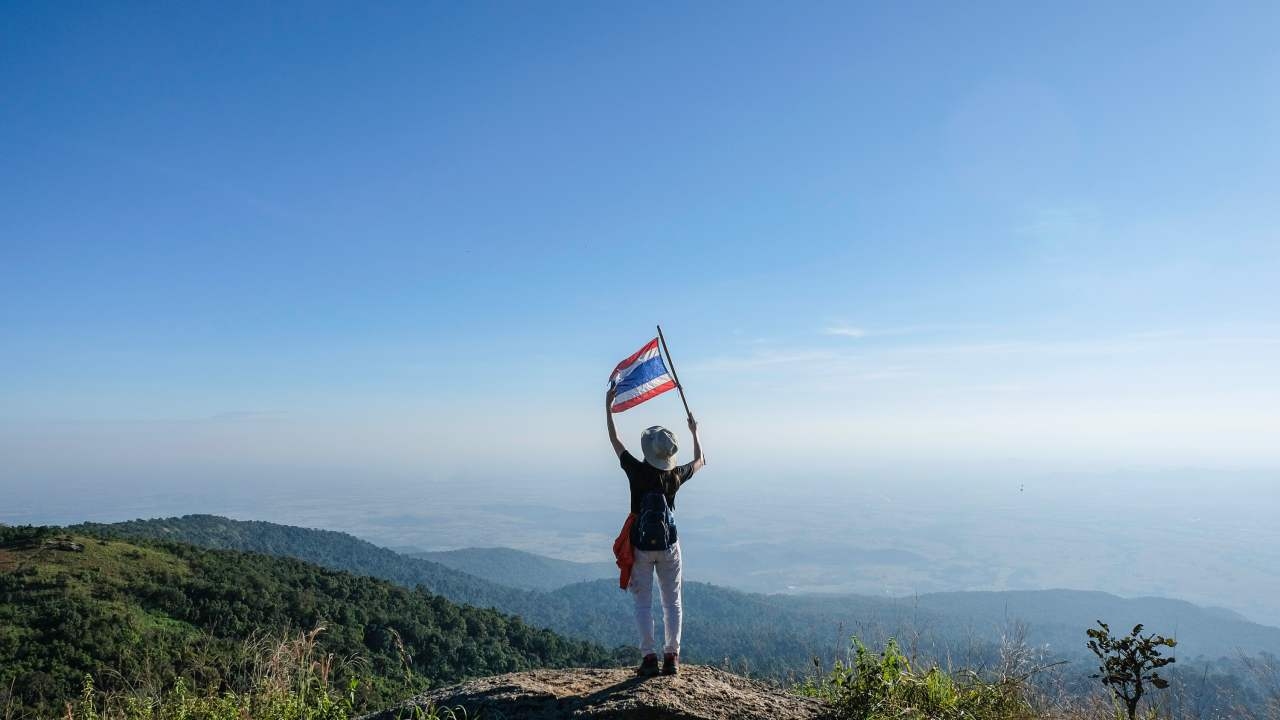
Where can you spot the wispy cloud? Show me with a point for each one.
(881, 361)
(853, 331)
(236, 416)
(764, 358)
(844, 331)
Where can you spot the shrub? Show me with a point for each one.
(879, 686)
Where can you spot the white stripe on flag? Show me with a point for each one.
(642, 389)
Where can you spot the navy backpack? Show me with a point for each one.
(655, 528)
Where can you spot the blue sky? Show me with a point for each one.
(414, 238)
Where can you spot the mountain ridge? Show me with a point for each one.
(775, 634)
(518, 568)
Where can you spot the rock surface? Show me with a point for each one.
(697, 693)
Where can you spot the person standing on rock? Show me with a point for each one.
(650, 534)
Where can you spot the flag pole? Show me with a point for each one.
(674, 376)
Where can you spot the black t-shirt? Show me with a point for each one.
(645, 478)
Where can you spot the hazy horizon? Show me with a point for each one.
(1126, 534)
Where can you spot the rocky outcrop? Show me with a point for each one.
(697, 693)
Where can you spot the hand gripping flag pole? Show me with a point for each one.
(671, 363)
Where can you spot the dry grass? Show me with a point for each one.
(290, 677)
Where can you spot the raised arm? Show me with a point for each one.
(698, 460)
(618, 447)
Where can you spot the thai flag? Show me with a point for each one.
(640, 377)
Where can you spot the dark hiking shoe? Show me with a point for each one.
(670, 664)
(648, 666)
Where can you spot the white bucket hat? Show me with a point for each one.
(659, 447)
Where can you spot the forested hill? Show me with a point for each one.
(774, 635)
(148, 611)
(761, 633)
(323, 547)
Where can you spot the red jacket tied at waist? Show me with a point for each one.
(623, 552)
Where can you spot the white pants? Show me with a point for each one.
(667, 564)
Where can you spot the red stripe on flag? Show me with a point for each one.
(648, 395)
(648, 346)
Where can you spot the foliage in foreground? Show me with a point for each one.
(293, 681)
(877, 686)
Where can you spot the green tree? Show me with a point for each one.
(1130, 663)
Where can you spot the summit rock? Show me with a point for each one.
(697, 693)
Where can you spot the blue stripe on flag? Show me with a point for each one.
(643, 373)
